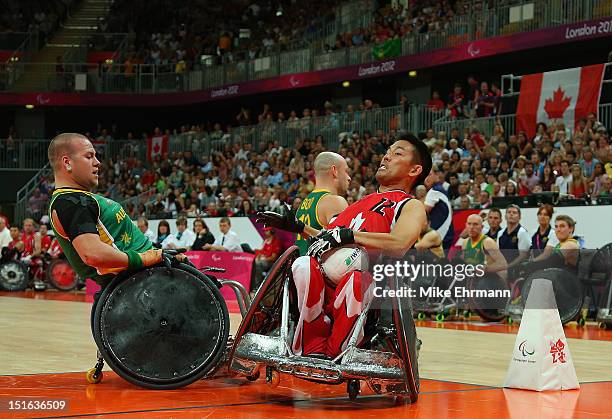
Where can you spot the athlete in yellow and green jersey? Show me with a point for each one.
(326, 200)
(80, 212)
(97, 236)
(307, 213)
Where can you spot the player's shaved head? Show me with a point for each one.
(325, 160)
(62, 145)
(474, 218)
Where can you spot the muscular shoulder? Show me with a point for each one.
(488, 243)
(570, 245)
(74, 213)
(78, 199)
(410, 209)
(330, 206)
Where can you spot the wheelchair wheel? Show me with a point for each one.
(488, 308)
(568, 290)
(162, 328)
(602, 260)
(406, 343)
(13, 276)
(61, 275)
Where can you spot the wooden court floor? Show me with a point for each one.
(45, 347)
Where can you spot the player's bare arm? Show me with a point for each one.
(430, 239)
(497, 262)
(404, 234)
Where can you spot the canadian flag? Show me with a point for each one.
(157, 146)
(555, 96)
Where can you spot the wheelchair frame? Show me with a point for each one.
(384, 372)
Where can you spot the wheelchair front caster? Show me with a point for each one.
(581, 321)
(509, 320)
(421, 316)
(94, 376)
(253, 377)
(466, 314)
(353, 387)
(272, 377)
(440, 317)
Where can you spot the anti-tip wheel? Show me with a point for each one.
(272, 377)
(581, 321)
(253, 377)
(353, 388)
(92, 377)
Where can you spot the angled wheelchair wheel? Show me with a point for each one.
(602, 260)
(13, 276)
(61, 275)
(405, 343)
(264, 314)
(568, 290)
(488, 308)
(162, 328)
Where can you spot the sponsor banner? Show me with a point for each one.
(471, 50)
(238, 267)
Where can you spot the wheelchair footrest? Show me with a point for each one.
(255, 351)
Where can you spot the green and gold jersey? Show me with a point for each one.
(474, 252)
(557, 248)
(307, 213)
(79, 212)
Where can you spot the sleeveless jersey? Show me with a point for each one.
(115, 228)
(376, 213)
(307, 213)
(474, 252)
(28, 242)
(438, 251)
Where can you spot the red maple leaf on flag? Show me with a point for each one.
(555, 107)
(156, 148)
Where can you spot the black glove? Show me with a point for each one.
(286, 222)
(169, 257)
(330, 239)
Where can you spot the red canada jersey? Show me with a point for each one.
(55, 249)
(28, 242)
(375, 213)
(45, 243)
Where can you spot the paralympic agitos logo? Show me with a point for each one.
(526, 349)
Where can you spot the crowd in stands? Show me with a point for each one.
(42, 16)
(164, 32)
(394, 21)
(242, 178)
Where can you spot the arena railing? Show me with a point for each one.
(24, 194)
(502, 20)
(32, 153)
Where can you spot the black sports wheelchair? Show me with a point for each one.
(577, 291)
(17, 274)
(167, 326)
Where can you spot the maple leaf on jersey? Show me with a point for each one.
(555, 107)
